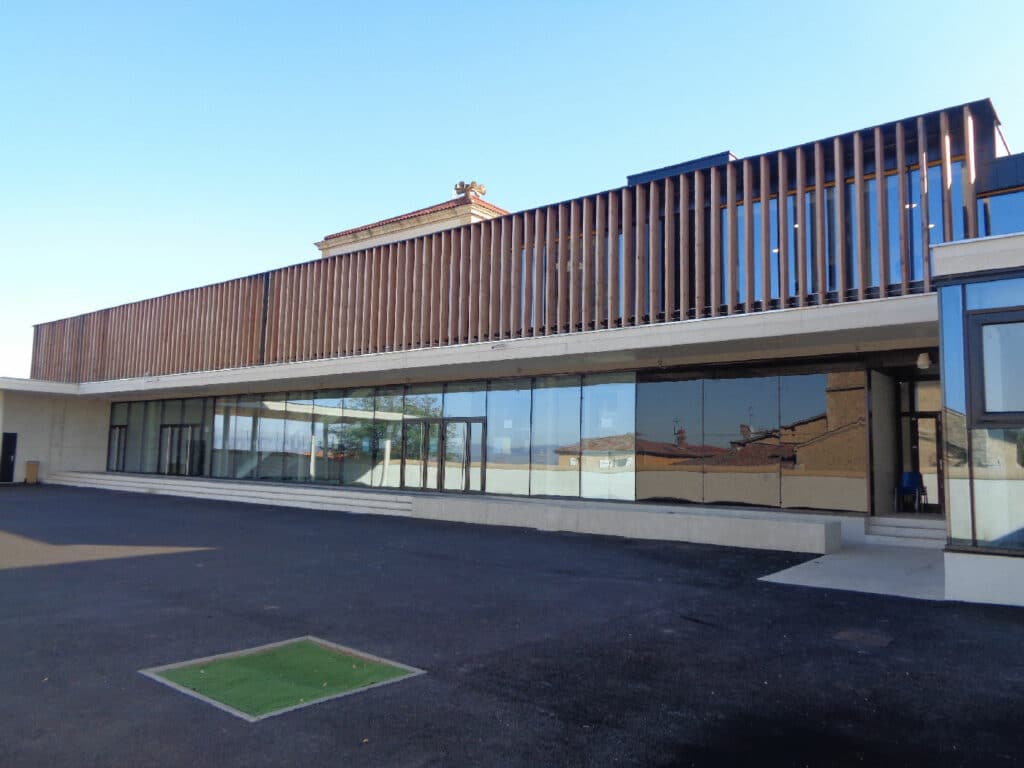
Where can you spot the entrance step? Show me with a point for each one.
(275, 494)
(923, 532)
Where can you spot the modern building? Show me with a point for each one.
(731, 350)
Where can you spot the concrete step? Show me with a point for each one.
(924, 532)
(906, 532)
(308, 497)
(908, 522)
(905, 541)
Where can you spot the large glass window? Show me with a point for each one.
(823, 441)
(357, 437)
(997, 341)
(741, 428)
(387, 424)
(604, 436)
(422, 439)
(670, 446)
(328, 431)
(555, 446)
(151, 436)
(997, 458)
(608, 444)
(270, 442)
(508, 437)
(954, 414)
(1003, 214)
(299, 451)
(134, 437)
(465, 415)
(241, 437)
(117, 437)
(222, 411)
(1002, 345)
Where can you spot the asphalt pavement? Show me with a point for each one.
(540, 649)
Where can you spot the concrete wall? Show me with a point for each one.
(61, 433)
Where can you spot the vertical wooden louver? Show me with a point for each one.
(847, 218)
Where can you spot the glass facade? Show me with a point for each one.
(982, 329)
(794, 440)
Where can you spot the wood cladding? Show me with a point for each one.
(747, 236)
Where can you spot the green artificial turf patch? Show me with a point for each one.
(274, 679)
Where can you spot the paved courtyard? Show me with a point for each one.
(539, 649)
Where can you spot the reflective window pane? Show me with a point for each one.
(223, 408)
(1003, 214)
(555, 444)
(241, 437)
(151, 436)
(357, 437)
(465, 407)
(299, 453)
(508, 437)
(608, 444)
(823, 441)
(387, 424)
(133, 443)
(1002, 349)
(998, 465)
(327, 442)
(119, 414)
(741, 428)
(993, 294)
(270, 442)
(670, 439)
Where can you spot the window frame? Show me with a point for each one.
(977, 321)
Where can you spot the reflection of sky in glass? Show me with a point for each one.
(1002, 344)
(728, 403)
(801, 397)
(556, 415)
(1005, 213)
(466, 399)
(608, 403)
(994, 294)
(952, 338)
(662, 407)
(508, 422)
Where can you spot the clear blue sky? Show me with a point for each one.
(151, 147)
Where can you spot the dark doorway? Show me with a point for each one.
(920, 442)
(7, 450)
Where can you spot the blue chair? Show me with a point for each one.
(911, 485)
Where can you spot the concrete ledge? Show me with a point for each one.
(304, 497)
(790, 532)
(731, 527)
(981, 578)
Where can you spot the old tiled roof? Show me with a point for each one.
(446, 205)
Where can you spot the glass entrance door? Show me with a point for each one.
(443, 454)
(456, 455)
(181, 450)
(421, 450)
(921, 444)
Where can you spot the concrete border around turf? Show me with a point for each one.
(153, 673)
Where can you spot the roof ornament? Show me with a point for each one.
(472, 189)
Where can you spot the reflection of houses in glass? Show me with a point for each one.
(816, 457)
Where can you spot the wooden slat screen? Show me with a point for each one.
(839, 220)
